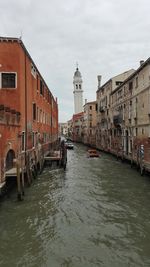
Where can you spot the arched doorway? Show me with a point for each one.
(9, 159)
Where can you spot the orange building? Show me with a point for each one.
(28, 110)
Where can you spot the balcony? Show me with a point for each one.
(117, 119)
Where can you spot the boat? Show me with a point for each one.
(92, 153)
(69, 145)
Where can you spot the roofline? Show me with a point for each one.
(91, 102)
(112, 79)
(104, 84)
(146, 62)
(19, 41)
(78, 113)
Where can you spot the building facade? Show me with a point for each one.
(63, 129)
(90, 123)
(77, 127)
(131, 117)
(104, 114)
(28, 110)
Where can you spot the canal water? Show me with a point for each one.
(96, 213)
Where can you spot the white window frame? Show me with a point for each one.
(9, 72)
(33, 70)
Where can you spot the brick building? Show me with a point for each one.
(28, 110)
(77, 127)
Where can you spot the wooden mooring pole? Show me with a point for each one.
(22, 178)
(18, 181)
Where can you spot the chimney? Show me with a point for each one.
(141, 62)
(99, 77)
(85, 101)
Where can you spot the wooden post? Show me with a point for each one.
(18, 180)
(22, 174)
(28, 171)
(22, 178)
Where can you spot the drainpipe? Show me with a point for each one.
(25, 73)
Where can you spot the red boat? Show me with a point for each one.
(92, 153)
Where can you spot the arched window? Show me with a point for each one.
(76, 86)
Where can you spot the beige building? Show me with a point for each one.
(63, 129)
(131, 117)
(89, 123)
(104, 116)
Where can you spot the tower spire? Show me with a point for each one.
(77, 65)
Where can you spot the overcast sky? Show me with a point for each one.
(105, 37)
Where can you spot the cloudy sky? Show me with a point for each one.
(105, 37)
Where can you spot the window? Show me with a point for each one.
(79, 86)
(23, 141)
(41, 87)
(76, 86)
(90, 107)
(33, 71)
(136, 82)
(37, 114)
(8, 80)
(90, 117)
(41, 115)
(130, 85)
(118, 83)
(136, 131)
(34, 111)
(96, 107)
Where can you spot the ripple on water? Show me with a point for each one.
(96, 213)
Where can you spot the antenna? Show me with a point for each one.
(77, 65)
(20, 35)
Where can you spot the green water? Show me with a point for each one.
(96, 213)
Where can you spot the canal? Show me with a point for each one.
(96, 213)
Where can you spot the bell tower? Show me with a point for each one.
(78, 92)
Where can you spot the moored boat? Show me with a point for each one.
(92, 153)
(69, 145)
